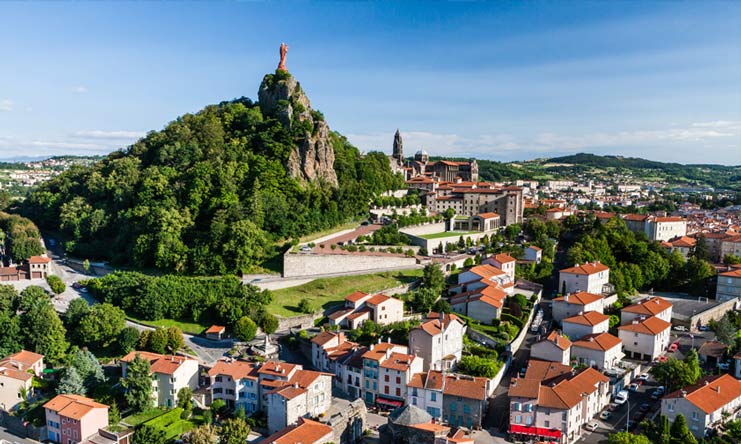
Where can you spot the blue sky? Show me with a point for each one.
(500, 80)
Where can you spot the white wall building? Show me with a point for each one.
(652, 306)
(729, 285)
(713, 401)
(645, 339)
(588, 323)
(575, 304)
(438, 341)
(591, 277)
(170, 374)
(601, 350)
(554, 348)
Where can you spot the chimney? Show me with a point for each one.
(717, 388)
(635, 322)
(388, 340)
(581, 313)
(591, 339)
(684, 394)
(566, 297)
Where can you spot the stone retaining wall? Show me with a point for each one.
(295, 265)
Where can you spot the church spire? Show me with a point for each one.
(398, 152)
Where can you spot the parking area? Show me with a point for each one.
(639, 406)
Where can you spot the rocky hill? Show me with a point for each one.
(215, 192)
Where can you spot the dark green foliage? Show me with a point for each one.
(23, 238)
(127, 340)
(45, 333)
(389, 235)
(234, 431)
(10, 339)
(269, 323)
(679, 432)
(147, 434)
(222, 300)
(478, 366)
(305, 306)
(71, 383)
(138, 385)
(245, 329)
(78, 308)
(101, 325)
(209, 194)
(55, 283)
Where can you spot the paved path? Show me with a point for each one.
(14, 439)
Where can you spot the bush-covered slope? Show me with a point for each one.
(210, 193)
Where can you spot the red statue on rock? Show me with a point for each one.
(283, 51)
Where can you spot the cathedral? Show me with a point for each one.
(442, 170)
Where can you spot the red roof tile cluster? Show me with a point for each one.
(651, 326)
(73, 406)
(711, 393)
(588, 269)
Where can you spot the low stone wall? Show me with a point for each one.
(301, 322)
(21, 428)
(496, 380)
(432, 244)
(717, 312)
(295, 265)
(417, 230)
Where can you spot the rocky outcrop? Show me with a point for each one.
(312, 159)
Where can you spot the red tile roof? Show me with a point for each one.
(588, 269)
(711, 393)
(650, 307)
(651, 326)
(581, 298)
(235, 369)
(589, 318)
(216, 329)
(73, 406)
(305, 431)
(598, 341)
(355, 296)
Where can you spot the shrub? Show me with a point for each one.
(55, 283)
(305, 306)
(245, 329)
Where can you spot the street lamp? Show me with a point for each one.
(627, 418)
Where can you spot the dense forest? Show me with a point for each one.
(208, 194)
(20, 237)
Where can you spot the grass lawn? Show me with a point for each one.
(448, 234)
(326, 292)
(318, 234)
(138, 418)
(193, 328)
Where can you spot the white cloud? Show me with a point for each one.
(79, 89)
(108, 135)
(670, 143)
(6, 105)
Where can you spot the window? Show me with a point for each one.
(695, 417)
(670, 407)
(218, 379)
(386, 378)
(518, 419)
(547, 424)
(386, 390)
(517, 407)
(414, 401)
(398, 391)
(452, 406)
(433, 396)
(414, 391)
(529, 420)
(466, 408)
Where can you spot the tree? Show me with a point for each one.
(71, 383)
(87, 366)
(692, 362)
(175, 339)
(158, 340)
(127, 339)
(185, 396)
(205, 434)
(269, 324)
(33, 296)
(725, 331)
(138, 385)
(433, 277)
(614, 320)
(149, 434)
(45, 333)
(11, 339)
(305, 306)
(86, 266)
(478, 366)
(680, 433)
(234, 431)
(627, 438)
(730, 259)
(218, 406)
(245, 329)
(76, 310)
(114, 415)
(101, 325)
(702, 251)
(675, 373)
(55, 283)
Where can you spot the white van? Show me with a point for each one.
(621, 397)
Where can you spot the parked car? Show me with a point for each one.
(605, 415)
(680, 328)
(592, 426)
(633, 387)
(704, 328)
(658, 393)
(643, 377)
(724, 365)
(621, 397)
(612, 406)
(645, 407)
(673, 346)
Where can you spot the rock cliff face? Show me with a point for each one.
(312, 159)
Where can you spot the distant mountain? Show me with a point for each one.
(624, 162)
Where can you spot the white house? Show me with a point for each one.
(307, 393)
(645, 339)
(360, 307)
(236, 383)
(504, 262)
(592, 277)
(683, 244)
(554, 348)
(425, 391)
(737, 368)
(481, 276)
(714, 400)
(653, 306)
(438, 341)
(170, 374)
(729, 285)
(534, 253)
(574, 304)
(584, 324)
(16, 372)
(556, 412)
(483, 304)
(665, 228)
(601, 350)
